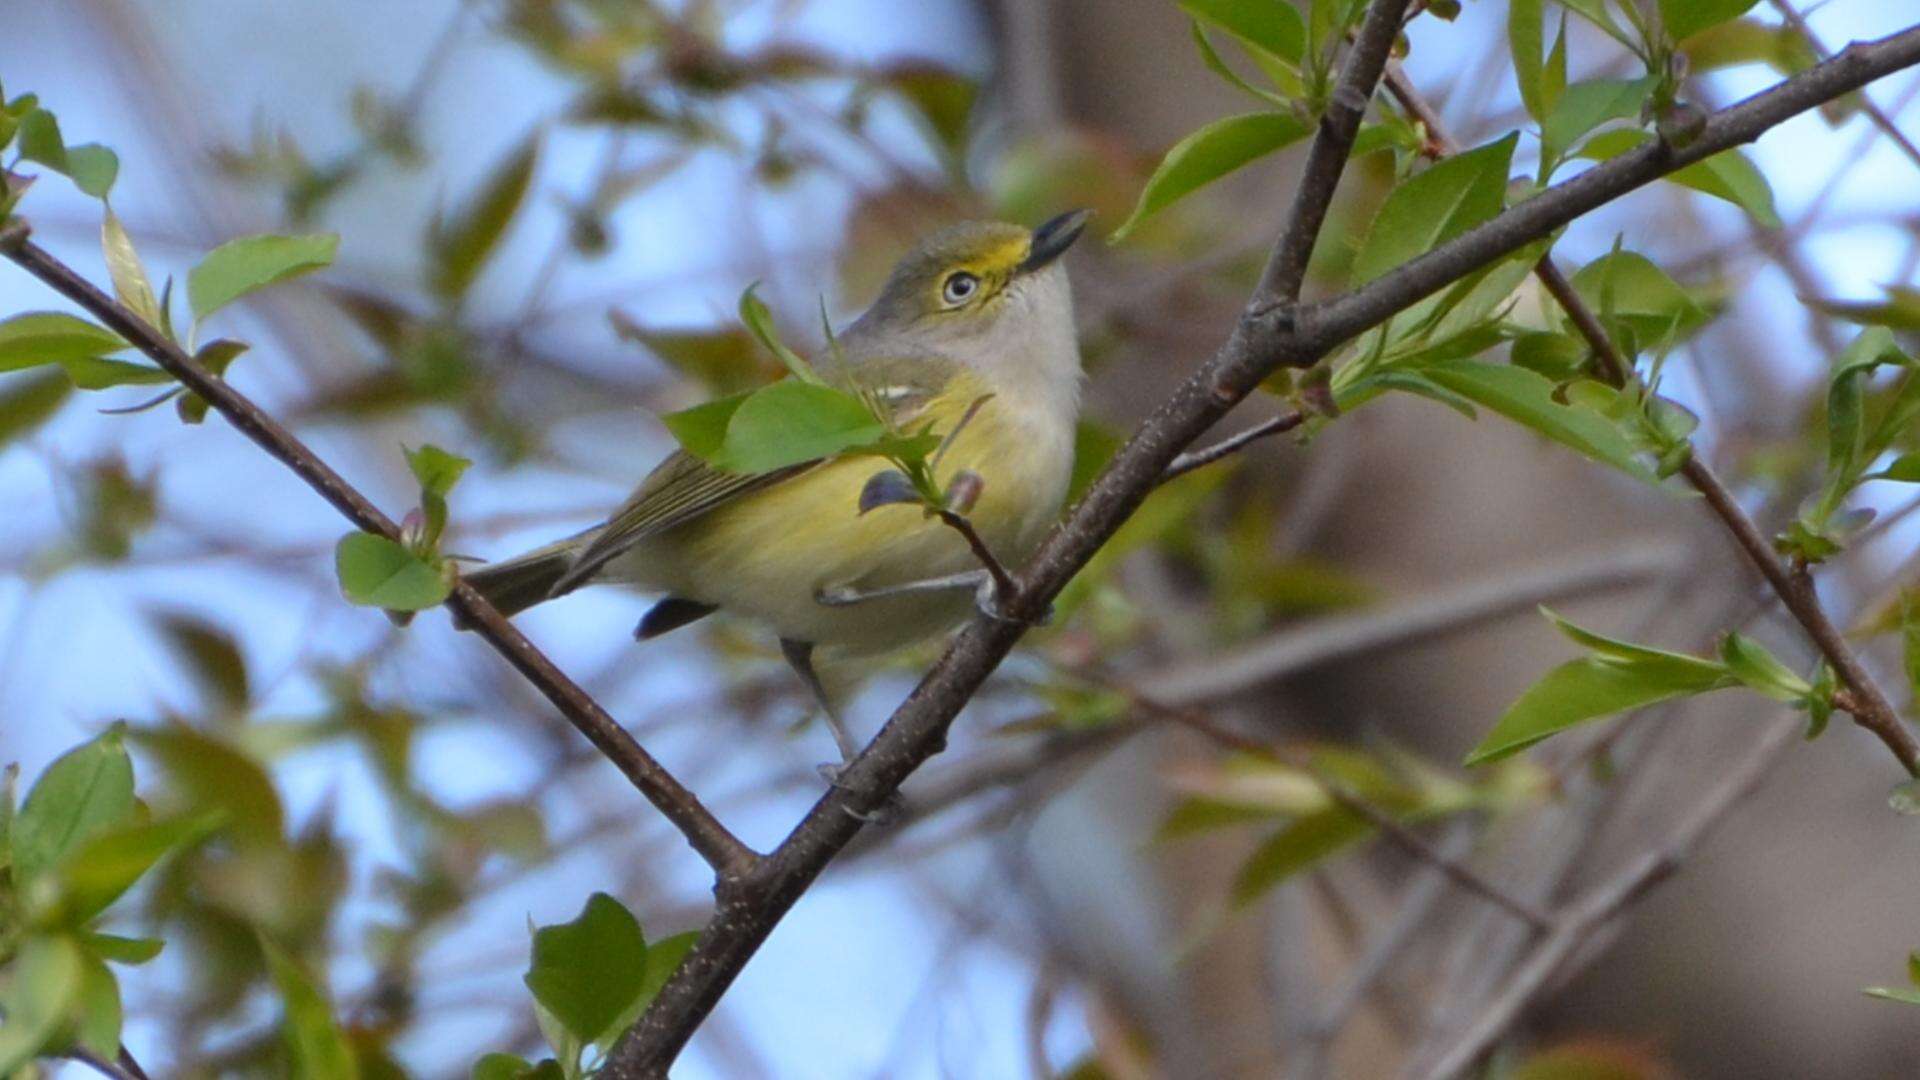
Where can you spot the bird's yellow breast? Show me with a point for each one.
(770, 554)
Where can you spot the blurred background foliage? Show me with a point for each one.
(547, 209)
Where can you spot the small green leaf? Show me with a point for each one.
(586, 972)
(1845, 441)
(461, 244)
(1306, 841)
(943, 97)
(502, 1067)
(436, 469)
(242, 266)
(315, 1043)
(663, 957)
(102, 870)
(1727, 175)
(28, 403)
(1750, 662)
(792, 422)
(1905, 798)
(102, 373)
(48, 337)
(1902, 994)
(1525, 25)
(130, 282)
(92, 168)
(702, 429)
(1630, 290)
(1208, 154)
(85, 792)
(1819, 703)
(1273, 26)
(1899, 311)
(122, 950)
(211, 656)
(377, 572)
(1528, 398)
(1211, 57)
(97, 1025)
(759, 320)
(1584, 107)
(212, 773)
(1685, 18)
(40, 999)
(1435, 206)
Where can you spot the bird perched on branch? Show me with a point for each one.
(971, 349)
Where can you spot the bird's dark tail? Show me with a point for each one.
(516, 584)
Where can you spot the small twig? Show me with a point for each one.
(1207, 455)
(729, 857)
(1005, 588)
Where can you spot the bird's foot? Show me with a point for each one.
(890, 809)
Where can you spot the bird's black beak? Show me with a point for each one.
(1052, 239)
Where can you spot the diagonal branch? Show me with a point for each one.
(1262, 341)
(728, 856)
(1866, 702)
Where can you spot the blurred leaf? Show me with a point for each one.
(377, 572)
(1208, 154)
(97, 1026)
(1528, 398)
(122, 950)
(1750, 662)
(83, 793)
(1525, 25)
(1272, 26)
(1093, 447)
(315, 1043)
(1299, 846)
(39, 1000)
(104, 868)
(28, 403)
(102, 373)
(723, 360)
(1904, 995)
(1685, 18)
(1747, 41)
(212, 657)
(1435, 206)
(1197, 815)
(123, 265)
(586, 972)
(461, 244)
(47, 337)
(1587, 105)
(510, 1067)
(1905, 798)
(212, 775)
(1900, 310)
(250, 263)
(943, 97)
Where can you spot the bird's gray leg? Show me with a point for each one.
(799, 656)
(846, 596)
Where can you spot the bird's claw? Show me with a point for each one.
(890, 809)
(987, 599)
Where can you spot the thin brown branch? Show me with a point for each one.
(728, 856)
(1207, 455)
(1875, 712)
(1003, 582)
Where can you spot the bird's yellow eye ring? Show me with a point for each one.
(959, 288)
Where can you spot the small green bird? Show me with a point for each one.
(976, 319)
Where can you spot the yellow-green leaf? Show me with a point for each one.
(239, 267)
(1207, 155)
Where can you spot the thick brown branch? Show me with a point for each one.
(719, 847)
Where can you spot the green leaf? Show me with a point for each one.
(1211, 57)
(791, 422)
(1905, 798)
(1727, 175)
(1899, 311)
(502, 1067)
(1306, 841)
(97, 1026)
(702, 429)
(460, 245)
(122, 950)
(102, 373)
(1619, 676)
(663, 957)
(759, 320)
(315, 1043)
(1435, 206)
(48, 337)
(1527, 398)
(1685, 18)
(943, 97)
(1525, 25)
(130, 282)
(242, 266)
(214, 775)
(39, 1000)
(107, 866)
(586, 972)
(1584, 107)
(28, 403)
(377, 572)
(85, 792)
(1750, 662)
(1628, 289)
(90, 166)
(1557, 356)
(1902, 994)
(1208, 154)
(1846, 443)
(1273, 26)
(211, 656)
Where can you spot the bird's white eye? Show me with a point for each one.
(959, 288)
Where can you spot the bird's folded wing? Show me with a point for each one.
(684, 487)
